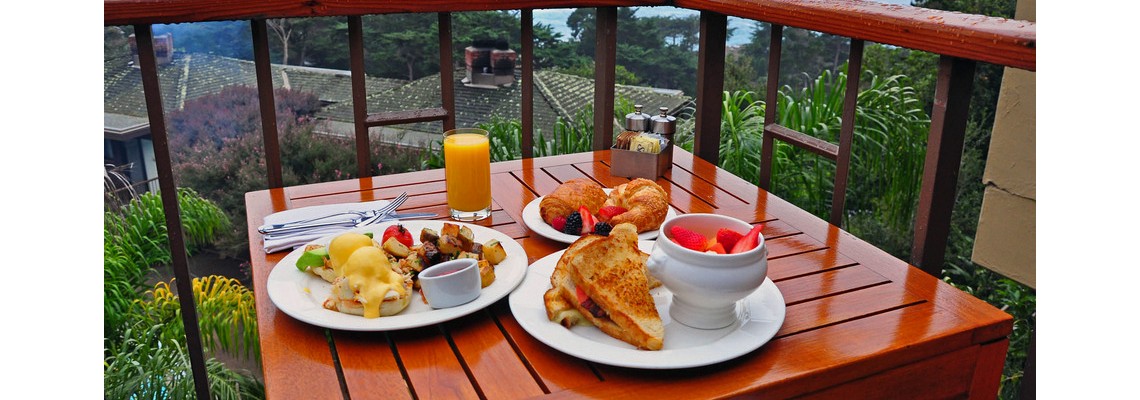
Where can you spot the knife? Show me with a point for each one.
(269, 230)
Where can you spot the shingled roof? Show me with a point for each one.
(193, 75)
(190, 76)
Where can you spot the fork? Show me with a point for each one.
(363, 215)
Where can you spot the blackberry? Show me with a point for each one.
(573, 224)
(602, 228)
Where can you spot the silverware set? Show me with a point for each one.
(363, 218)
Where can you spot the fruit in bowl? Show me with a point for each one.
(707, 283)
(726, 240)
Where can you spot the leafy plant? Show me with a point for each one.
(143, 352)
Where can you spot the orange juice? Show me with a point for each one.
(467, 167)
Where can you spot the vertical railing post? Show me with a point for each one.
(446, 71)
(772, 96)
(264, 69)
(943, 159)
(359, 95)
(171, 208)
(605, 60)
(527, 38)
(710, 85)
(846, 131)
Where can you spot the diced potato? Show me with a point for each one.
(449, 229)
(414, 262)
(486, 273)
(493, 252)
(449, 244)
(428, 235)
(464, 254)
(395, 248)
(466, 238)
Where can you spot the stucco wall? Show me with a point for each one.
(1007, 227)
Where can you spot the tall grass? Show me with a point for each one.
(144, 355)
(887, 152)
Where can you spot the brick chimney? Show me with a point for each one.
(490, 64)
(163, 49)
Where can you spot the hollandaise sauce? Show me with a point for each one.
(371, 276)
(342, 246)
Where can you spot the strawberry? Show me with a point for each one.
(688, 239)
(727, 237)
(717, 248)
(588, 220)
(608, 212)
(749, 241)
(558, 223)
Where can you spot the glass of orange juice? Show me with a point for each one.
(467, 168)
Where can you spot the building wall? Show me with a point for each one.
(1006, 242)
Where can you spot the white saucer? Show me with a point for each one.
(760, 315)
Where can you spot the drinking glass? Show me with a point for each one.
(467, 169)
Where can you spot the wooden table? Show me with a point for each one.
(859, 321)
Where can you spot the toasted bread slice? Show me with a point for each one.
(611, 271)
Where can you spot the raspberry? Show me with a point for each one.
(727, 237)
(602, 228)
(573, 225)
(558, 223)
(688, 239)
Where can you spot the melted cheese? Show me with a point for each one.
(342, 247)
(371, 276)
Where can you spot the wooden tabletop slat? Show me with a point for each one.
(806, 263)
(556, 369)
(792, 365)
(858, 321)
(827, 283)
(489, 358)
(845, 306)
(791, 245)
(368, 371)
(563, 173)
(296, 352)
(600, 171)
(433, 369)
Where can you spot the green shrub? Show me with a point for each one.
(144, 351)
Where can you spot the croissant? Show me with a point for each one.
(645, 201)
(566, 198)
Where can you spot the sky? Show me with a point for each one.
(557, 19)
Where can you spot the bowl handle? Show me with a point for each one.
(656, 262)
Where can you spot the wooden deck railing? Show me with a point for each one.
(961, 40)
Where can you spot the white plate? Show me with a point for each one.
(300, 294)
(760, 315)
(533, 220)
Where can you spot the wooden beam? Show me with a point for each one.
(772, 96)
(846, 132)
(943, 159)
(710, 86)
(527, 127)
(605, 60)
(446, 71)
(170, 204)
(359, 95)
(263, 65)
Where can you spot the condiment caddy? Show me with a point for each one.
(645, 148)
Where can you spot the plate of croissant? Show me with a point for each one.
(581, 206)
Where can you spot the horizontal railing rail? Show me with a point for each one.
(987, 39)
(961, 40)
